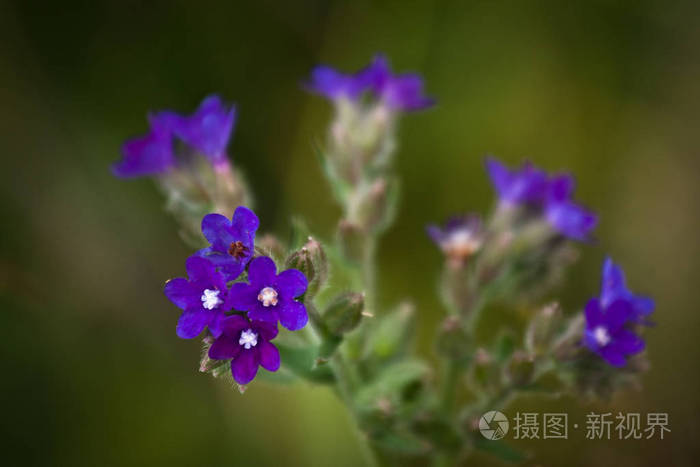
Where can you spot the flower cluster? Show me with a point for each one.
(207, 132)
(460, 237)
(241, 313)
(236, 296)
(402, 92)
(611, 318)
(551, 196)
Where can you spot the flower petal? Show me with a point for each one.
(571, 220)
(224, 348)
(628, 342)
(232, 325)
(191, 323)
(244, 221)
(291, 283)
(146, 155)
(217, 230)
(199, 269)
(268, 315)
(593, 313)
(293, 315)
(261, 271)
(243, 297)
(182, 293)
(245, 366)
(267, 330)
(613, 356)
(269, 356)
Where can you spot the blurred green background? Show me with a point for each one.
(93, 373)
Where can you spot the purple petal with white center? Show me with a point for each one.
(245, 366)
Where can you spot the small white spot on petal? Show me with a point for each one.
(210, 299)
(248, 339)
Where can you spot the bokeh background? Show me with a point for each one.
(92, 372)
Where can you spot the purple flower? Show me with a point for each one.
(607, 333)
(208, 129)
(526, 185)
(204, 298)
(551, 196)
(334, 85)
(151, 154)
(247, 344)
(270, 296)
(401, 91)
(459, 238)
(613, 288)
(232, 241)
(566, 216)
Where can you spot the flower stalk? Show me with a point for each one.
(257, 302)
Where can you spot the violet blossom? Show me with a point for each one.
(247, 344)
(204, 298)
(232, 241)
(271, 297)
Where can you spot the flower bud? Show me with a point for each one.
(269, 245)
(520, 368)
(311, 261)
(344, 313)
(452, 341)
(351, 239)
(542, 329)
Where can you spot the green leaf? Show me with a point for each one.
(390, 383)
(302, 362)
(499, 449)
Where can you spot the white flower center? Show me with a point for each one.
(210, 299)
(601, 336)
(268, 296)
(461, 243)
(248, 339)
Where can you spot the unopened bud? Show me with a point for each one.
(268, 245)
(352, 241)
(344, 313)
(542, 329)
(452, 341)
(521, 367)
(311, 261)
